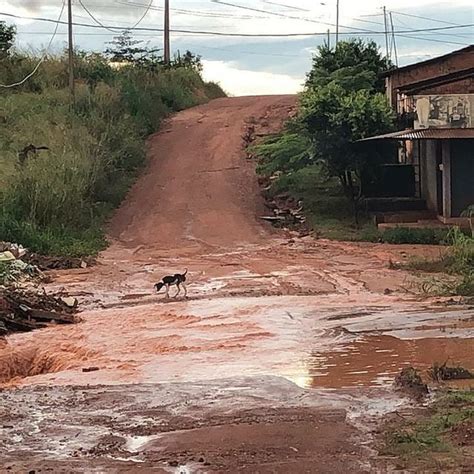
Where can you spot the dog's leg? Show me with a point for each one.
(178, 292)
(185, 290)
(167, 291)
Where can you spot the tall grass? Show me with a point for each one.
(57, 201)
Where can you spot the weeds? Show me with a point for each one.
(440, 372)
(406, 235)
(431, 439)
(57, 201)
(457, 261)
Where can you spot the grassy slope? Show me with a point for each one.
(57, 202)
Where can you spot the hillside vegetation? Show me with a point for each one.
(58, 199)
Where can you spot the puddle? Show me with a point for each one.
(376, 360)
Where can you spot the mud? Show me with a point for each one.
(272, 321)
(243, 424)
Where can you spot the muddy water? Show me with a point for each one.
(313, 341)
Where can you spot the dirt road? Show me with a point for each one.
(280, 360)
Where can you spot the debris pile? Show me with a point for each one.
(286, 211)
(47, 262)
(439, 373)
(24, 310)
(10, 252)
(410, 381)
(13, 268)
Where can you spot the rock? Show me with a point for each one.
(70, 301)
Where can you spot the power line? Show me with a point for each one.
(291, 7)
(433, 40)
(197, 13)
(425, 18)
(406, 25)
(244, 35)
(147, 9)
(35, 69)
(221, 2)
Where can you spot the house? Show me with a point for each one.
(434, 102)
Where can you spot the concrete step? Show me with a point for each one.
(394, 205)
(405, 216)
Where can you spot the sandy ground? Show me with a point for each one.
(280, 360)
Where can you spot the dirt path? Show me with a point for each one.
(239, 377)
(198, 190)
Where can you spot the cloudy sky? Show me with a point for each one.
(246, 65)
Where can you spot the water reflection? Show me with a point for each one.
(376, 360)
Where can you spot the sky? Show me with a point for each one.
(248, 65)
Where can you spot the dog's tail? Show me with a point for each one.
(185, 272)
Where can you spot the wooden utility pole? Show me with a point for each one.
(329, 39)
(167, 52)
(386, 32)
(394, 41)
(337, 22)
(70, 49)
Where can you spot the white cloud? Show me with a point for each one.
(243, 82)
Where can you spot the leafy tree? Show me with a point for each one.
(7, 38)
(335, 119)
(342, 104)
(353, 64)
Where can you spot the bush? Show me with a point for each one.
(410, 235)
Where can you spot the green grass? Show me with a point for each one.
(407, 235)
(430, 439)
(57, 202)
(457, 260)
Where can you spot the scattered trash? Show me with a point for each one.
(47, 262)
(287, 211)
(90, 369)
(70, 301)
(439, 373)
(24, 310)
(7, 256)
(409, 380)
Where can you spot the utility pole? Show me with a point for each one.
(337, 22)
(386, 32)
(70, 49)
(394, 41)
(329, 39)
(167, 53)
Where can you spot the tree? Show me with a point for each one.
(7, 38)
(124, 49)
(353, 64)
(342, 104)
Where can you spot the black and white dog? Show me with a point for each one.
(177, 280)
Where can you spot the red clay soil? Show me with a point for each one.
(261, 303)
(197, 188)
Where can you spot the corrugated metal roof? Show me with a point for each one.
(426, 134)
(467, 49)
